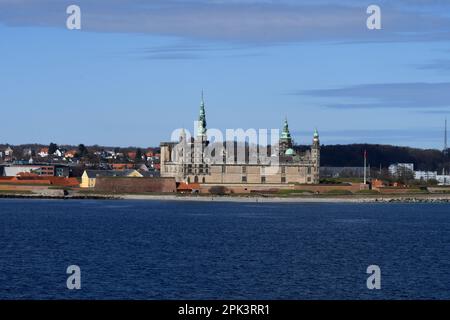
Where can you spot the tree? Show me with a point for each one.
(218, 190)
(138, 155)
(52, 148)
(405, 176)
(82, 150)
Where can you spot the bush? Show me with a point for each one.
(218, 190)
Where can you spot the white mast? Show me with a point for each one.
(365, 175)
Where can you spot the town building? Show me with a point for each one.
(401, 168)
(188, 160)
(443, 180)
(8, 152)
(13, 171)
(425, 175)
(89, 177)
(43, 152)
(37, 169)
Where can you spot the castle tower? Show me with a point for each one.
(182, 148)
(315, 156)
(201, 139)
(202, 119)
(182, 135)
(285, 139)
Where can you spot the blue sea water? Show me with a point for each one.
(212, 250)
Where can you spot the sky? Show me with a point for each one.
(136, 69)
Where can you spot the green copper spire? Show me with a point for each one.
(202, 118)
(316, 133)
(285, 134)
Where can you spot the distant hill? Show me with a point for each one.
(351, 155)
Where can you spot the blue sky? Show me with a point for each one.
(136, 70)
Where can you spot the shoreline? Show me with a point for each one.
(407, 198)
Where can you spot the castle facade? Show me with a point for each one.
(196, 160)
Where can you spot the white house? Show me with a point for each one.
(443, 180)
(398, 168)
(9, 152)
(43, 153)
(425, 175)
(13, 171)
(58, 153)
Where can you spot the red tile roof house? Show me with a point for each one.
(43, 153)
(70, 154)
(188, 187)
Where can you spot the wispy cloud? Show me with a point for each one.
(386, 95)
(438, 65)
(241, 21)
(439, 112)
(195, 50)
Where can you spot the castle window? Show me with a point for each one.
(309, 179)
(244, 169)
(283, 179)
(203, 180)
(196, 179)
(309, 170)
(283, 169)
(263, 179)
(244, 179)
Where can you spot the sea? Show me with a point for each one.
(223, 250)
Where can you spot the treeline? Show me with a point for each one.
(352, 156)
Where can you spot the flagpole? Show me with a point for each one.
(365, 156)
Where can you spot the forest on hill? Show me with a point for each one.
(352, 155)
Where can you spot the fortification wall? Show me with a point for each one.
(134, 185)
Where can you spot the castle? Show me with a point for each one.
(196, 160)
